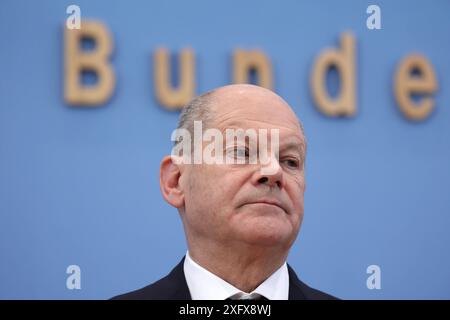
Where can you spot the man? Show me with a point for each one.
(240, 219)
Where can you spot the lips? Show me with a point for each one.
(269, 202)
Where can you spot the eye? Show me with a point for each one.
(238, 152)
(292, 163)
(241, 152)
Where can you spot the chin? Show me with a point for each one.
(268, 234)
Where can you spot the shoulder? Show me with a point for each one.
(171, 287)
(298, 290)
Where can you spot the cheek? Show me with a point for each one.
(296, 191)
(210, 201)
(210, 190)
(200, 204)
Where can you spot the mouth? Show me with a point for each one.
(269, 203)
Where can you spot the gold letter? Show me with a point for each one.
(406, 84)
(344, 61)
(96, 60)
(171, 98)
(256, 60)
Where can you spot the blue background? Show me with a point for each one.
(80, 186)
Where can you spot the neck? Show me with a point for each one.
(244, 266)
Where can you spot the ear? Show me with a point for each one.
(169, 182)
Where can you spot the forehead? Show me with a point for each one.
(257, 110)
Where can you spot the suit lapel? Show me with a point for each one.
(295, 286)
(180, 288)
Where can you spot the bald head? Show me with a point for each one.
(235, 98)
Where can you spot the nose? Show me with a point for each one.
(270, 174)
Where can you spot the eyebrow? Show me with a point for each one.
(300, 147)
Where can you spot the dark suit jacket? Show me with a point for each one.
(174, 287)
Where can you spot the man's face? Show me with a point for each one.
(237, 202)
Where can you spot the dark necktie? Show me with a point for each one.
(247, 296)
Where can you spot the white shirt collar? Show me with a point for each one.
(204, 285)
